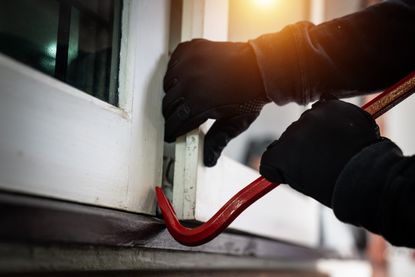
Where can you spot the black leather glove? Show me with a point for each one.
(218, 80)
(312, 152)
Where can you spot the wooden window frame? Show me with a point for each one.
(60, 142)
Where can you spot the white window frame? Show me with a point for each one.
(59, 142)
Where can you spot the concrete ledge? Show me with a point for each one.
(21, 258)
(43, 234)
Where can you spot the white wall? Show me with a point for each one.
(400, 126)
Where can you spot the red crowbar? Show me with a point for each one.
(258, 188)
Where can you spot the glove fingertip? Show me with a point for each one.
(169, 136)
(209, 161)
(271, 174)
(210, 157)
(169, 139)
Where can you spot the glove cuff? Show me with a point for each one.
(278, 61)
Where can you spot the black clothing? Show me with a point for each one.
(312, 152)
(208, 79)
(356, 54)
(359, 53)
(376, 190)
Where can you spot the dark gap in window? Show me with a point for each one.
(62, 46)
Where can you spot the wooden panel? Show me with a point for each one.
(281, 214)
(400, 126)
(149, 30)
(58, 141)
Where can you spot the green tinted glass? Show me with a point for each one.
(74, 41)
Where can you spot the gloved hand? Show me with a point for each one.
(217, 80)
(311, 153)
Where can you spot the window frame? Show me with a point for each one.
(60, 142)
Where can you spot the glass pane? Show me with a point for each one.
(74, 41)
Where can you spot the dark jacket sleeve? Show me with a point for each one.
(352, 55)
(376, 190)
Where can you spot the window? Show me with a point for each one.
(57, 141)
(77, 42)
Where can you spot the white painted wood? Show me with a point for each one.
(281, 214)
(400, 127)
(59, 142)
(215, 25)
(192, 19)
(317, 11)
(187, 154)
(199, 192)
(187, 161)
(149, 28)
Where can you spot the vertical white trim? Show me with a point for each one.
(216, 20)
(126, 68)
(317, 11)
(193, 19)
(188, 147)
(199, 18)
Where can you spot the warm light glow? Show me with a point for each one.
(264, 3)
